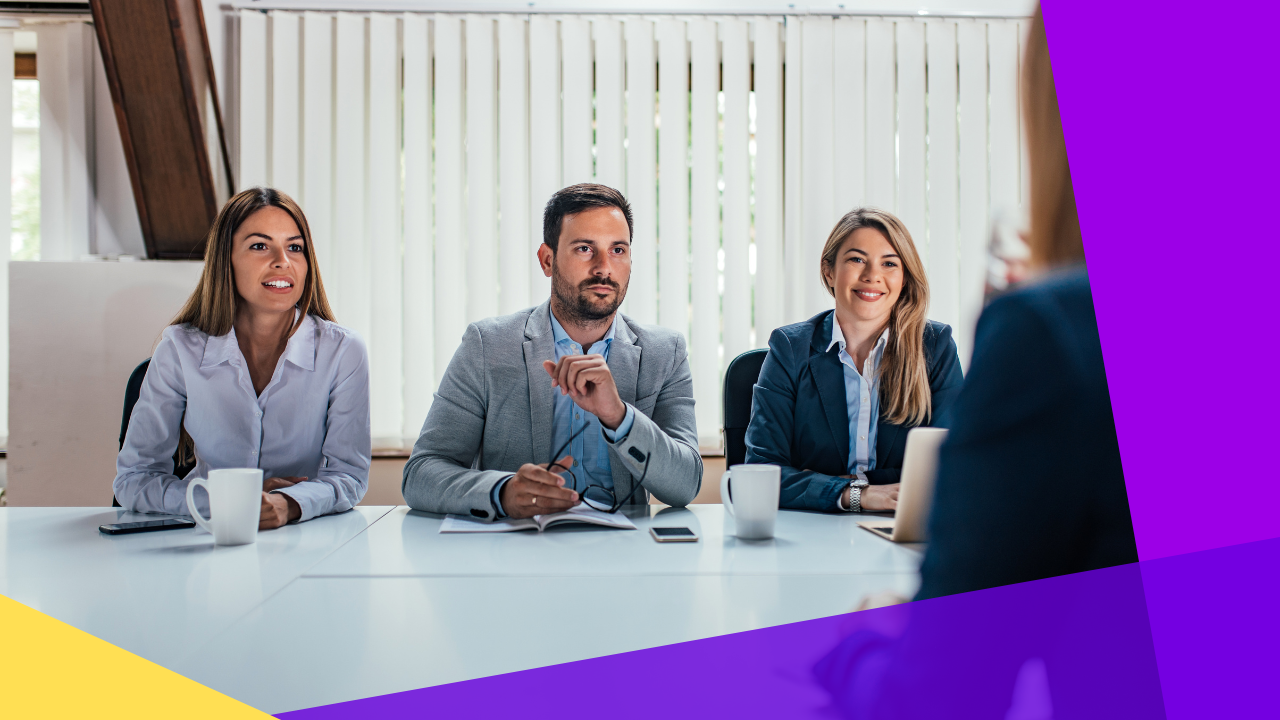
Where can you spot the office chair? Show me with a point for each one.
(131, 391)
(739, 383)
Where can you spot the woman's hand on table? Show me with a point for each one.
(875, 498)
(278, 509)
(880, 498)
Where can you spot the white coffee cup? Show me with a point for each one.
(754, 505)
(235, 504)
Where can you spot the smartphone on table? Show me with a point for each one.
(673, 534)
(145, 526)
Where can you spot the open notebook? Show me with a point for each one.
(580, 514)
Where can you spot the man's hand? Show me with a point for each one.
(277, 483)
(537, 491)
(587, 380)
(277, 509)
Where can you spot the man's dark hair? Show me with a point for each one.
(576, 198)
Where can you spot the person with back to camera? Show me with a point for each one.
(258, 374)
(1033, 458)
(838, 392)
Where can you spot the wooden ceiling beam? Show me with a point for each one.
(158, 66)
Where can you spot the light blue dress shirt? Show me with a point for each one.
(589, 450)
(862, 398)
(311, 420)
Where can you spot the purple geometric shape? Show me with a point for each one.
(1216, 630)
(961, 657)
(1170, 115)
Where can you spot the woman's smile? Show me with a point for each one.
(280, 285)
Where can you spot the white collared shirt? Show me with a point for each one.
(311, 420)
(862, 399)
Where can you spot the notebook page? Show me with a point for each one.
(462, 524)
(584, 514)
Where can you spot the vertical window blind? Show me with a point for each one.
(423, 147)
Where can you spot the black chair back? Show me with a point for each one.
(739, 383)
(132, 389)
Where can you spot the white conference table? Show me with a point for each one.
(156, 594)
(377, 601)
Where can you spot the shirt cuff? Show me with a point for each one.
(314, 498)
(495, 493)
(624, 427)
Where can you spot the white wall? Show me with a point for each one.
(77, 330)
(116, 229)
(6, 209)
(86, 199)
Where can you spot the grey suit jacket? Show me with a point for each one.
(492, 414)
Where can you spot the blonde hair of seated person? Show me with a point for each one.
(212, 307)
(1054, 236)
(905, 397)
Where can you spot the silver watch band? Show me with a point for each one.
(856, 485)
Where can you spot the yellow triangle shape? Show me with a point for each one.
(49, 669)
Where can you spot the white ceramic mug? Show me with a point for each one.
(754, 505)
(235, 504)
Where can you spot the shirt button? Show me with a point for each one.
(576, 416)
(260, 412)
(862, 437)
(255, 452)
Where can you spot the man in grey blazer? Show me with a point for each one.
(570, 373)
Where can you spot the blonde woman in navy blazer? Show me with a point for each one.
(838, 392)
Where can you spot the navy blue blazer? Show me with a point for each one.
(1029, 480)
(800, 419)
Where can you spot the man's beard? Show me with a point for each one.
(579, 304)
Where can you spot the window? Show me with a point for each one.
(25, 181)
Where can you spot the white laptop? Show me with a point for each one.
(910, 523)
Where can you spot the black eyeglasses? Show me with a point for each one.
(597, 497)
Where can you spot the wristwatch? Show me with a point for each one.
(855, 492)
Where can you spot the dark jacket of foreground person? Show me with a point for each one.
(1030, 483)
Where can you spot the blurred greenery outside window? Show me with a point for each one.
(26, 170)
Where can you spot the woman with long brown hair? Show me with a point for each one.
(257, 373)
(838, 392)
